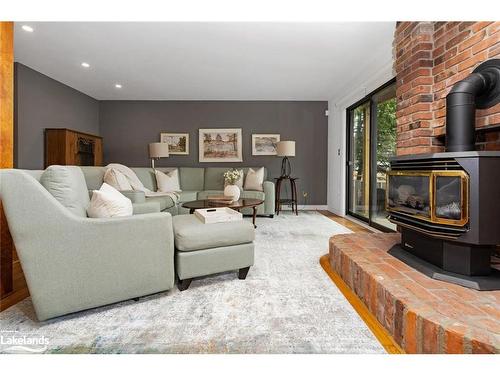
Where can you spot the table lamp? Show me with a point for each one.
(157, 150)
(285, 149)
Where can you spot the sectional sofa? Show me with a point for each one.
(72, 262)
(195, 183)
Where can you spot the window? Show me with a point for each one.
(371, 142)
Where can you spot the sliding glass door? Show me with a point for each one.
(371, 142)
(359, 164)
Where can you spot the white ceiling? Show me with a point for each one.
(206, 61)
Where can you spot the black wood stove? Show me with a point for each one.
(447, 205)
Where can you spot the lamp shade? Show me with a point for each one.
(158, 150)
(285, 148)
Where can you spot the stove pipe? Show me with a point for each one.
(481, 90)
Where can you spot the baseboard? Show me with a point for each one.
(305, 207)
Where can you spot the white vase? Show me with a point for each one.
(232, 191)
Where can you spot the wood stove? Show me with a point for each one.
(447, 205)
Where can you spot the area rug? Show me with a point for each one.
(287, 304)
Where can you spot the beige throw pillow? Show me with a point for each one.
(109, 202)
(254, 179)
(117, 179)
(238, 183)
(168, 182)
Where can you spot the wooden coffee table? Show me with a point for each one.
(237, 205)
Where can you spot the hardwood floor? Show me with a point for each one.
(355, 227)
(371, 321)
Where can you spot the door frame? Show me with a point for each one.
(372, 154)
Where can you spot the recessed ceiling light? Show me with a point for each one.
(28, 28)
(118, 86)
(85, 65)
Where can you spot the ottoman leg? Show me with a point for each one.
(184, 284)
(243, 272)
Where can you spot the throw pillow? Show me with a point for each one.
(254, 179)
(109, 202)
(67, 184)
(117, 179)
(168, 182)
(238, 183)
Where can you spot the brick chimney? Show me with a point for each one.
(429, 58)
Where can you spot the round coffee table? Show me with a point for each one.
(236, 205)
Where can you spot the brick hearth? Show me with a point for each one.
(422, 314)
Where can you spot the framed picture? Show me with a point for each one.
(264, 144)
(220, 145)
(178, 143)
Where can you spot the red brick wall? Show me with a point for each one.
(429, 58)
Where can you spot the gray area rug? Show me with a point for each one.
(287, 304)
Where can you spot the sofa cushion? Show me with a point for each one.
(214, 178)
(146, 176)
(94, 177)
(164, 201)
(109, 202)
(117, 179)
(67, 185)
(253, 194)
(191, 234)
(188, 196)
(254, 179)
(192, 178)
(168, 181)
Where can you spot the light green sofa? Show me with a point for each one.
(72, 263)
(195, 183)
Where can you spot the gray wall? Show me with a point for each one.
(128, 127)
(42, 102)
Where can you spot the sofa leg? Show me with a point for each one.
(271, 216)
(243, 272)
(136, 299)
(184, 284)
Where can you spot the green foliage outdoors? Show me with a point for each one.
(386, 135)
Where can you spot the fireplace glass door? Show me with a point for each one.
(409, 193)
(451, 197)
(440, 197)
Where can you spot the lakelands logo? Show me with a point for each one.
(17, 342)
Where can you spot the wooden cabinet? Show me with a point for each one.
(70, 147)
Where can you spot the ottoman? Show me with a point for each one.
(206, 249)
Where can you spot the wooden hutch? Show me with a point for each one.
(70, 147)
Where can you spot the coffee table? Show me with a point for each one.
(236, 205)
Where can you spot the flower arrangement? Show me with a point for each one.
(231, 176)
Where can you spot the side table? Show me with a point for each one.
(293, 201)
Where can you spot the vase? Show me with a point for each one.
(232, 191)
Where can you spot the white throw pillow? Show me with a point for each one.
(168, 182)
(109, 202)
(117, 179)
(238, 183)
(254, 179)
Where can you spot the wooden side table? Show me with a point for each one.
(293, 201)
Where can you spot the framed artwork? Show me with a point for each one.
(178, 143)
(264, 144)
(220, 145)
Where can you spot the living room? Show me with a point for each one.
(198, 186)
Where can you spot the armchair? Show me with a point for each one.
(74, 263)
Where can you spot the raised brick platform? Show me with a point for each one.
(422, 314)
